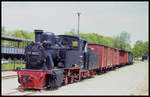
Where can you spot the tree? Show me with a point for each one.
(71, 32)
(109, 41)
(122, 41)
(4, 32)
(23, 34)
(128, 47)
(140, 48)
(146, 48)
(94, 38)
(3, 29)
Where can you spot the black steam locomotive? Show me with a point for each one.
(62, 57)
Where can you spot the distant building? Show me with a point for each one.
(4, 62)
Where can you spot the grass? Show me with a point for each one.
(11, 66)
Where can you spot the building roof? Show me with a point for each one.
(15, 39)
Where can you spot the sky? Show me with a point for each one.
(104, 18)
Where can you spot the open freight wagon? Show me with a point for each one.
(108, 57)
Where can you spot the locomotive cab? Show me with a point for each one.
(73, 51)
(77, 54)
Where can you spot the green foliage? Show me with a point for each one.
(146, 48)
(122, 41)
(117, 42)
(11, 66)
(128, 47)
(140, 48)
(109, 41)
(23, 34)
(3, 29)
(4, 32)
(18, 33)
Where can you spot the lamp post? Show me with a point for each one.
(78, 30)
(78, 23)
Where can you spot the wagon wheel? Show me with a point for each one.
(79, 76)
(71, 80)
(66, 80)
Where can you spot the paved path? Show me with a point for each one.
(8, 73)
(128, 80)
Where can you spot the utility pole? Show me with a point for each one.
(78, 31)
(78, 23)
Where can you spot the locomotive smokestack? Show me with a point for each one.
(37, 35)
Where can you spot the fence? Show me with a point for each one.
(12, 64)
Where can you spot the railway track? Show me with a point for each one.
(9, 77)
